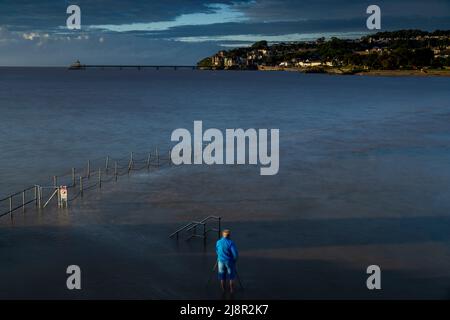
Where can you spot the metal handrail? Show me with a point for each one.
(203, 222)
(17, 207)
(211, 217)
(17, 193)
(194, 224)
(9, 204)
(181, 229)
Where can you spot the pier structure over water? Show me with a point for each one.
(78, 66)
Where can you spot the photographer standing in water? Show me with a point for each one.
(227, 256)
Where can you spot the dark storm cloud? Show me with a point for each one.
(275, 17)
(276, 10)
(48, 14)
(288, 27)
(175, 30)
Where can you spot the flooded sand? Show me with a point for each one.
(119, 238)
(363, 180)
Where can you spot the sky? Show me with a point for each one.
(34, 32)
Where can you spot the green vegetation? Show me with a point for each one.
(260, 45)
(205, 63)
(396, 50)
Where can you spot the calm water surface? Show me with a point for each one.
(364, 179)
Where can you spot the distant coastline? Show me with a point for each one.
(396, 53)
(445, 72)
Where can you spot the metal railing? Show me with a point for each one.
(194, 225)
(19, 200)
(95, 174)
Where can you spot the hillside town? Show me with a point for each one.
(396, 50)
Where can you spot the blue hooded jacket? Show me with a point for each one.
(226, 250)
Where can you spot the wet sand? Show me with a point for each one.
(378, 73)
(407, 73)
(119, 238)
(364, 176)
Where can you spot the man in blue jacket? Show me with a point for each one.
(227, 256)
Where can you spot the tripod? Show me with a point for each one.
(214, 270)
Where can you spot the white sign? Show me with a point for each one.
(63, 193)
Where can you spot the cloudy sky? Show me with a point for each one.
(34, 32)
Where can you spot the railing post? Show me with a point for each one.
(55, 181)
(204, 233)
(10, 207)
(99, 177)
(89, 169)
(169, 158)
(23, 201)
(148, 161)
(107, 164)
(157, 156)
(58, 197)
(115, 170)
(130, 165)
(36, 195)
(81, 186)
(220, 228)
(73, 177)
(39, 197)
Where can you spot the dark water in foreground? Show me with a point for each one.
(364, 176)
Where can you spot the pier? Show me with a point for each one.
(78, 66)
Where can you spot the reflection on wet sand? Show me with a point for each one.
(119, 237)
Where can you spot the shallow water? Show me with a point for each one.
(364, 176)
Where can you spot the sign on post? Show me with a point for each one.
(63, 196)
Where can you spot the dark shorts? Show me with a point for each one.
(226, 270)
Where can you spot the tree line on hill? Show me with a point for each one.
(403, 49)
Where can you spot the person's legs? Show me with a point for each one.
(221, 271)
(231, 273)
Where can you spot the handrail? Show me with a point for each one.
(107, 171)
(203, 222)
(194, 224)
(17, 208)
(211, 217)
(17, 193)
(181, 229)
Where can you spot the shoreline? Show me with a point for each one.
(339, 72)
(406, 73)
(331, 71)
(387, 73)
